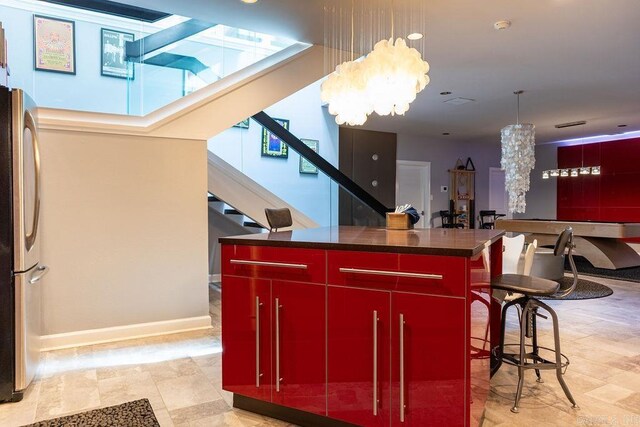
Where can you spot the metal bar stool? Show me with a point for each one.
(528, 355)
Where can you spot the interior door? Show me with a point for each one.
(26, 182)
(413, 186)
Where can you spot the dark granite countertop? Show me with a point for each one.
(426, 241)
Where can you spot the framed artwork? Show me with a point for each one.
(305, 165)
(272, 146)
(113, 54)
(242, 125)
(54, 45)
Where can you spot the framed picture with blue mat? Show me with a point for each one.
(272, 146)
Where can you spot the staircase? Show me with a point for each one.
(245, 198)
(222, 208)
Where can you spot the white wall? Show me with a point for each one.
(124, 230)
(314, 195)
(443, 155)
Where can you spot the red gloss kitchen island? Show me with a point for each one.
(359, 326)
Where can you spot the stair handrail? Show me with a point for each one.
(316, 159)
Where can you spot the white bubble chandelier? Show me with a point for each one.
(518, 159)
(386, 81)
(345, 92)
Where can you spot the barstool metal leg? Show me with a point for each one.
(556, 339)
(523, 328)
(534, 341)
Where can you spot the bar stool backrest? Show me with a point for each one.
(512, 249)
(565, 243)
(278, 218)
(528, 257)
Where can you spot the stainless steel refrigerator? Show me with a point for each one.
(20, 270)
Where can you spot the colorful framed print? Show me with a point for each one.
(113, 54)
(242, 125)
(305, 165)
(272, 146)
(54, 45)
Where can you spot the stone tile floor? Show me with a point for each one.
(181, 374)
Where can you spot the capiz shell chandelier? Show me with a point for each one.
(396, 74)
(345, 92)
(518, 159)
(386, 80)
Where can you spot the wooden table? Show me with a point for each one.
(599, 242)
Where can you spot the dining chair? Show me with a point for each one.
(278, 218)
(512, 249)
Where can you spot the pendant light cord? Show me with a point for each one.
(352, 29)
(518, 109)
(392, 22)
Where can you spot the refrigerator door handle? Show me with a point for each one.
(30, 124)
(38, 274)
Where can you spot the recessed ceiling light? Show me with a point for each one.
(446, 133)
(622, 126)
(415, 36)
(249, 1)
(445, 93)
(502, 25)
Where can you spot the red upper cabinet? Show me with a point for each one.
(428, 360)
(359, 355)
(246, 320)
(299, 363)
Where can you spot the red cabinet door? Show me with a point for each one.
(246, 337)
(428, 360)
(359, 355)
(298, 356)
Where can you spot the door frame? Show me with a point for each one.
(506, 207)
(427, 187)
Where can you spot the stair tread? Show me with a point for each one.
(232, 212)
(252, 224)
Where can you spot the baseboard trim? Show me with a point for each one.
(120, 333)
(215, 278)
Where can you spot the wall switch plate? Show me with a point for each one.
(444, 188)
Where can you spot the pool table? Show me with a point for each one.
(601, 243)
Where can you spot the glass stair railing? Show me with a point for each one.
(128, 66)
(296, 171)
(164, 71)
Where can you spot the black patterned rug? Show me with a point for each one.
(131, 414)
(583, 266)
(585, 289)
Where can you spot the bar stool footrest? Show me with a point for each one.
(538, 362)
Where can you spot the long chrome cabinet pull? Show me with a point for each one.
(269, 264)
(375, 362)
(390, 273)
(258, 374)
(401, 368)
(278, 379)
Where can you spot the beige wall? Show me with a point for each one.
(124, 230)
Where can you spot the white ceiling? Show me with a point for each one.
(575, 60)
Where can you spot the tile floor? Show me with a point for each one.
(180, 374)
